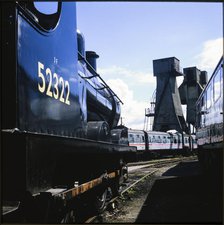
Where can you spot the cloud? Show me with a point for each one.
(136, 76)
(133, 111)
(210, 55)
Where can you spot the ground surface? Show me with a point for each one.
(177, 194)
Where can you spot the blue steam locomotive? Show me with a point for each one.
(57, 116)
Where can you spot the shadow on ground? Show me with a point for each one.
(183, 195)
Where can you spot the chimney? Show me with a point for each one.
(91, 57)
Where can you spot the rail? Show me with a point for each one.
(148, 164)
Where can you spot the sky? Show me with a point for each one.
(128, 36)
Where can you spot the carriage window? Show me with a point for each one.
(159, 139)
(153, 139)
(212, 93)
(168, 140)
(202, 111)
(164, 139)
(208, 93)
(221, 75)
(175, 140)
(150, 139)
(217, 85)
(131, 138)
(143, 139)
(137, 138)
(203, 103)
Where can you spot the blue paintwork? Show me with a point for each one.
(57, 50)
(210, 112)
(37, 111)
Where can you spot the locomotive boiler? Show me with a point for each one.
(57, 116)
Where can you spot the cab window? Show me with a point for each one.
(43, 14)
(209, 96)
(47, 8)
(159, 139)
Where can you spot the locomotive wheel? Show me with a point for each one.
(123, 172)
(69, 217)
(118, 181)
(115, 186)
(100, 201)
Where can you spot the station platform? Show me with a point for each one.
(184, 195)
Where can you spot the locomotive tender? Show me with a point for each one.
(209, 128)
(56, 117)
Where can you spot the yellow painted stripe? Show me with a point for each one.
(87, 186)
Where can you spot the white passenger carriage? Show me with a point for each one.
(158, 140)
(156, 143)
(137, 138)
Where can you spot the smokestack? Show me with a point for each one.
(91, 57)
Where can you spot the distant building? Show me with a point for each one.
(168, 110)
(192, 86)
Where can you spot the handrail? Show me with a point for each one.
(95, 74)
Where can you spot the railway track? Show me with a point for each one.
(138, 172)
